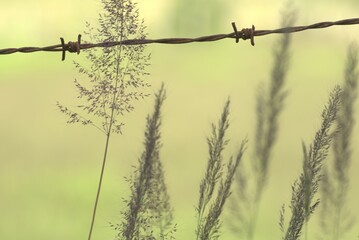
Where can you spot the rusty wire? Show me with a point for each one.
(245, 33)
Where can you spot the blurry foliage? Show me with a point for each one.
(251, 182)
(199, 16)
(336, 217)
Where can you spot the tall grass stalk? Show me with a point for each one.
(148, 214)
(270, 102)
(304, 189)
(115, 76)
(210, 207)
(336, 219)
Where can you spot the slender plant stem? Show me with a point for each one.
(108, 134)
(99, 184)
(104, 159)
(103, 162)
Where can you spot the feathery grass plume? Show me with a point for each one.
(271, 103)
(305, 188)
(148, 214)
(245, 203)
(115, 76)
(211, 224)
(210, 207)
(336, 219)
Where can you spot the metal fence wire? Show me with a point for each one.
(244, 34)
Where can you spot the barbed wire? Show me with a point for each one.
(244, 34)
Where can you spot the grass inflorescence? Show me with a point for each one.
(149, 213)
(115, 77)
(210, 205)
(303, 202)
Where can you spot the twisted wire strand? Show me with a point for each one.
(245, 33)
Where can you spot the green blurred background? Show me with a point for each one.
(49, 170)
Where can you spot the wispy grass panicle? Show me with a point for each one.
(212, 223)
(336, 219)
(216, 144)
(114, 76)
(149, 213)
(210, 206)
(270, 103)
(149, 210)
(304, 189)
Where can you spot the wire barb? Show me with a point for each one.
(236, 33)
(248, 33)
(70, 46)
(245, 33)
